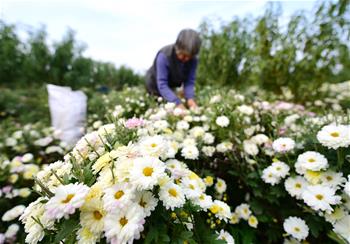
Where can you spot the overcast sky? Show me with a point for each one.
(128, 32)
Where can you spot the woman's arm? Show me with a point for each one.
(189, 85)
(162, 80)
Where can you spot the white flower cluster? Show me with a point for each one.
(18, 169)
(275, 172)
(243, 211)
(316, 185)
(130, 182)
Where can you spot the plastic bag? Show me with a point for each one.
(68, 112)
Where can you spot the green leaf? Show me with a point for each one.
(336, 237)
(157, 234)
(67, 229)
(248, 235)
(89, 177)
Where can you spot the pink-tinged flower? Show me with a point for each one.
(6, 189)
(300, 107)
(282, 131)
(284, 106)
(283, 144)
(133, 123)
(66, 200)
(265, 106)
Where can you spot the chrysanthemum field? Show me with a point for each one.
(244, 167)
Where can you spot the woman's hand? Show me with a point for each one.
(191, 103)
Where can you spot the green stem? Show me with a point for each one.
(340, 157)
(194, 229)
(288, 161)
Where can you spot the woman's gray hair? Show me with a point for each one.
(189, 41)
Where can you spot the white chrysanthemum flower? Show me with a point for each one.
(280, 169)
(101, 163)
(244, 109)
(66, 200)
(204, 201)
(146, 171)
(221, 210)
(249, 131)
(118, 111)
(342, 227)
(30, 170)
(46, 176)
(43, 142)
(313, 177)
(234, 218)
(220, 186)
(222, 121)
(92, 216)
(334, 136)
(295, 186)
(332, 179)
(125, 226)
(197, 132)
(86, 236)
(152, 145)
(118, 197)
(108, 130)
(191, 188)
(189, 141)
(35, 231)
(13, 213)
(179, 111)
(283, 144)
(172, 149)
(243, 211)
(253, 221)
(129, 151)
(250, 148)
(169, 106)
(177, 168)
(160, 125)
(208, 150)
(320, 197)
(10, 142)
(85, 146)
(97, 124)
(172, 196)
(269, 176)
(200, 182)
(188, 118)
(208, 138)
(54, 149)
(190, 152)
(225, 236)
(182, 125)
(147, 201)
(215, 99)
(224, 146)
(289, 120)
(27, 157)
(24, 192)
(336, 215)
(11, 231)
(260, 139)
(296, 227)
(312, 161)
